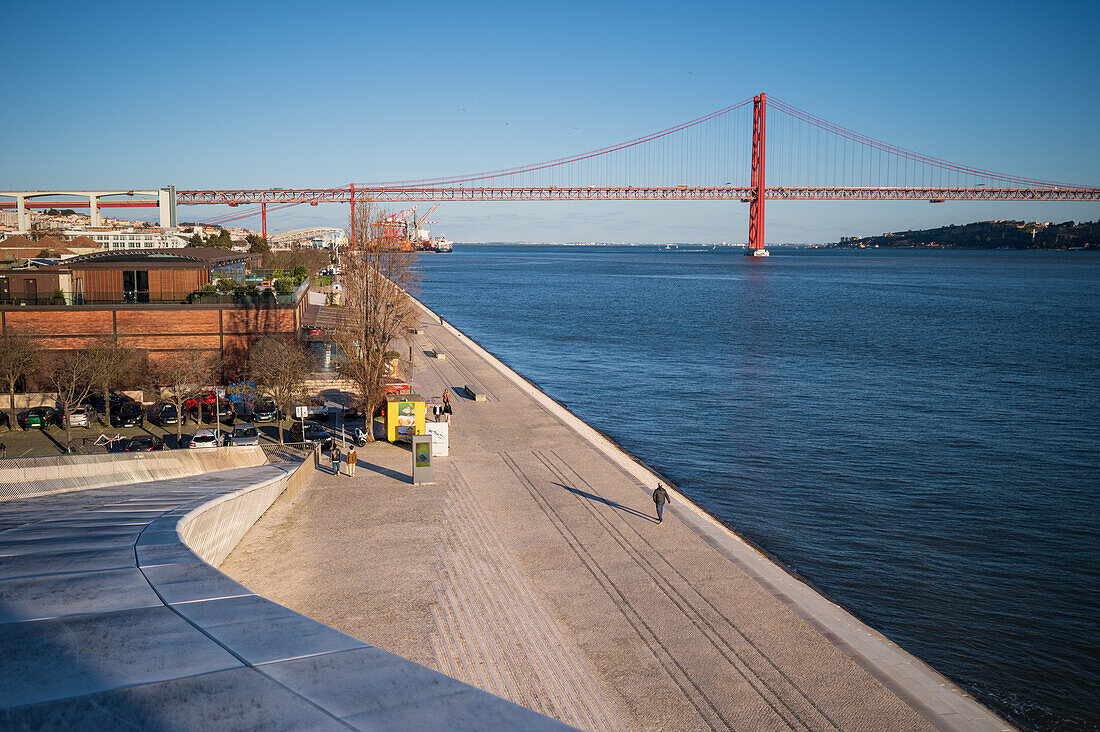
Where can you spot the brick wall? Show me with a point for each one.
(158, 329)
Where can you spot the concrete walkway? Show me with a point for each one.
(108, 621)
(534, 569)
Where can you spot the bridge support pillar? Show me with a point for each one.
(756, 203)
(23, 221)
(93, 204)
(166, 208)
(263, 219)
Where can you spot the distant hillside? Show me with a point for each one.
(986, 235)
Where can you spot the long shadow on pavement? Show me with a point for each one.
(403, 477)
(601, 499)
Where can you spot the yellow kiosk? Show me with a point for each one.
(404, 416)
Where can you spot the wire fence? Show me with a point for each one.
(108, 444)
(30, 476)
(290, 452)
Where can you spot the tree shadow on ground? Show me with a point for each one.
(606, 502)
(60, 447)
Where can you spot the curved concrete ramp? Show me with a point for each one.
(108, 619)
(40, 476)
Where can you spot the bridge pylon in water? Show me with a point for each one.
(756, 201)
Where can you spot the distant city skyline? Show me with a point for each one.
(228, 95)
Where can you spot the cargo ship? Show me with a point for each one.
(419, 229)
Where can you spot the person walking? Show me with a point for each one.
(660, 497)
(447, 402)
(353, 458)
(335, 455)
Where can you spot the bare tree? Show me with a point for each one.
(184, 375)
(379, 279)
(73, 375)
(111, 362)
(18, 358)
(280, 367)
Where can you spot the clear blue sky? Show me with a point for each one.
(223, 95)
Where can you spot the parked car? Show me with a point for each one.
(144, 443)
(163, 413)
(244, 434)
(242, 411)
(313, 432)
(265, 411)
(129, 414)
(117, 399)
(81, 415)
(205, 438)
(41, 417)
(221, 409)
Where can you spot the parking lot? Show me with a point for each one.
(100, 438)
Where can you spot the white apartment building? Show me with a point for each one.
(132, 238)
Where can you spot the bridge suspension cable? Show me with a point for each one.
(710, 157)
(866, 160)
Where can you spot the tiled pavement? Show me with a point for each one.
(107, 621)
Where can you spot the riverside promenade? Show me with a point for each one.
(534, 568)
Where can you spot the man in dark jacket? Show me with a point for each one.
(336, 456)
(660, 497)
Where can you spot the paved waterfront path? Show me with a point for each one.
(534, 569)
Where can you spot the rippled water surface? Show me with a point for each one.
(915, 433)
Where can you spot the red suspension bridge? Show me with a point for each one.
(725, 155)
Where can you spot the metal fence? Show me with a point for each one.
(19, 477)
(288, 452)
(168, 298)
(291, 452)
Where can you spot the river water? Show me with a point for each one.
(917, 434)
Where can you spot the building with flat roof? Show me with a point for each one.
(151, 275)
(131, 238)
(149, 300)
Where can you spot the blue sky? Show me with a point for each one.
(204, 95)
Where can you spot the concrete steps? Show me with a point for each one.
(493, 631)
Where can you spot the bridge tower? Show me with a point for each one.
(756, 202)
(351, 197)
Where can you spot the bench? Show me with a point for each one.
(473, 394)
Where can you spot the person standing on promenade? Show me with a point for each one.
(447, 402)
(660, 497)
(353, 458)
(335, 455)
